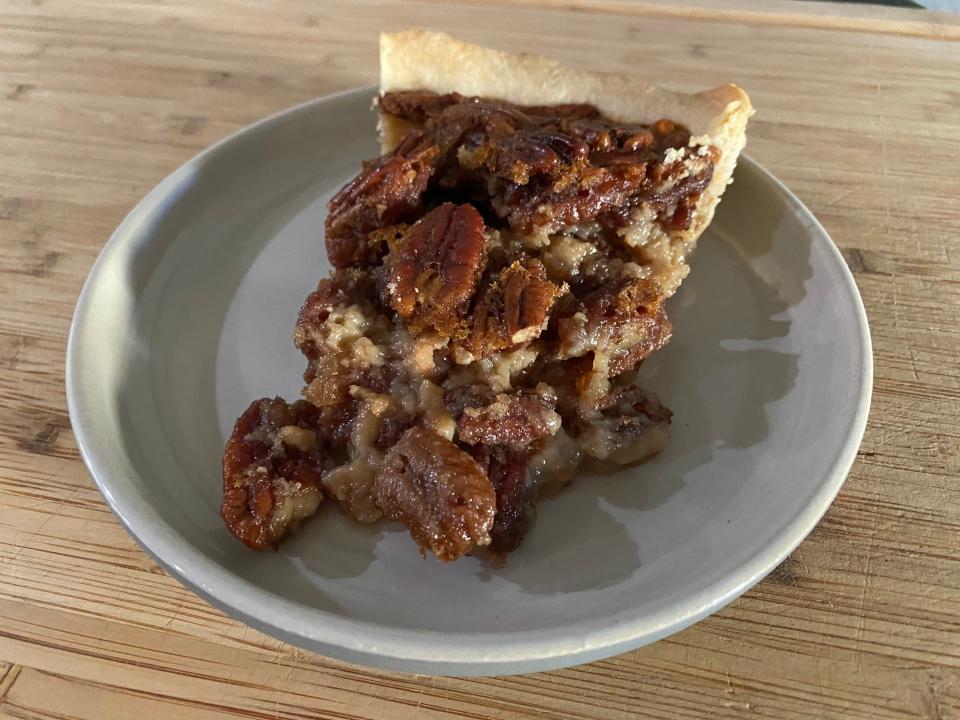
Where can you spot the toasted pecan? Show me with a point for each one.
(436, 268)
(272, 466)
(387, 191)
(513, 310)
(438, 492)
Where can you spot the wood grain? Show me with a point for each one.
(859, 113)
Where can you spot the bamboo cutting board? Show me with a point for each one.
(859, 113)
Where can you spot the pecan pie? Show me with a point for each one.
(500, 272)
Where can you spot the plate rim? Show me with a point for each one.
(419, 650)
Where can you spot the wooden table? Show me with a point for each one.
(858, 112)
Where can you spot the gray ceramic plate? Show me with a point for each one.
(187, 316)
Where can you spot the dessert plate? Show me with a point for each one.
(187, 315)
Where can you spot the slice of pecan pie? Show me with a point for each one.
(500, 274)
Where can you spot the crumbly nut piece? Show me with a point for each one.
(515, 420)
(621, 323)
(388, 191)
(513, 310)
(566, 256)
(633, 425)
(366, 425)
(438, 492)
(352, 485)
(340, 331)
(272, 466)
(437, 267)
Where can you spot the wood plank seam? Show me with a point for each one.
(8, 679)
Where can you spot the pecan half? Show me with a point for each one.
(439, 262)
(386, 192)
(513, 310)
(438, 492)
(272, 466)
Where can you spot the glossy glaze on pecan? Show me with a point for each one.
(438, 263)
(546, 168)
(388, 191)
(513, 309)
(438, 492)
(272, 467)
